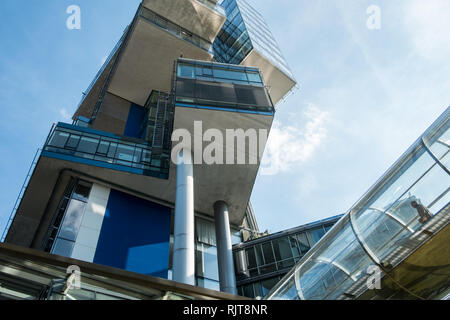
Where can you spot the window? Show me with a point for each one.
(72, 220)
(236, 236)
(186, 71)
(208, 284)
(303, 243)
(295, 247)
(59, 139)
(73, 141)
(269, 258)
(251, 258)
(207, 266)
(317, 233)
(283, 253)
(254, 77)
(228, 74)
(268, 284)
(66, 224)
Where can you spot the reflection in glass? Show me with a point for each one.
(63, 248)
(72, 220)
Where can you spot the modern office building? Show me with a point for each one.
(394, 242)
(261, 263)
(105, 191)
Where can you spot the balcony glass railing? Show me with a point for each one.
(106, 150)
(221, 86)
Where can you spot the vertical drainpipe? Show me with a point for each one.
(184, 245)
(224, 250)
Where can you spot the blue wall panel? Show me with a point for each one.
(135, 235)
(134, 121)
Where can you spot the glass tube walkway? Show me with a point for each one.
(407, 206)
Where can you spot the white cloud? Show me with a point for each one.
(65, 115)
(103, 60)
(288, 146)
(429, 23)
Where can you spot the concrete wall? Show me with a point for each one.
(113, 114)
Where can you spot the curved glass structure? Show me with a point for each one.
(405, 208)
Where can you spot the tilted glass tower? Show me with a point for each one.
(105, 189)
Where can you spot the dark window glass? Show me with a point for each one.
(258, 289)
(286, 263)
(59, 139)
(259, 256)
(103, 148)
(251, 258)
(72, 143)
(303, 243)
(112, 150)
(88, 145)
(268, 284)
(318, 233)
(295, 247)
(227, 74)
(282, 249)
(248, 291)
(268, 268)
(268, 253)
(82, 191)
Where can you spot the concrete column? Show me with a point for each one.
(184, 244)
(224, 251)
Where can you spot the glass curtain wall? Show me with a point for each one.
(207, 269)
(400, 212)
(64, 229)
(272, 257)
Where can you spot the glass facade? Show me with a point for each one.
(207, 269)
(221, 87)
(261, 263)
(66, 224)
(245, 30)
(219, 72)
(108, 150)
(402, 211)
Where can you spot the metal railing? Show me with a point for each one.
(117, 152)
(21, 193)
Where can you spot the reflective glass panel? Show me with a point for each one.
(72, 220)
(63, 248)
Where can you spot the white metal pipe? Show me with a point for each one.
(184, 244)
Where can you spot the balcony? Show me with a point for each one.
(224, 87)
(92, 147)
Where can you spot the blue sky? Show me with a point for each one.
(364, 95)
